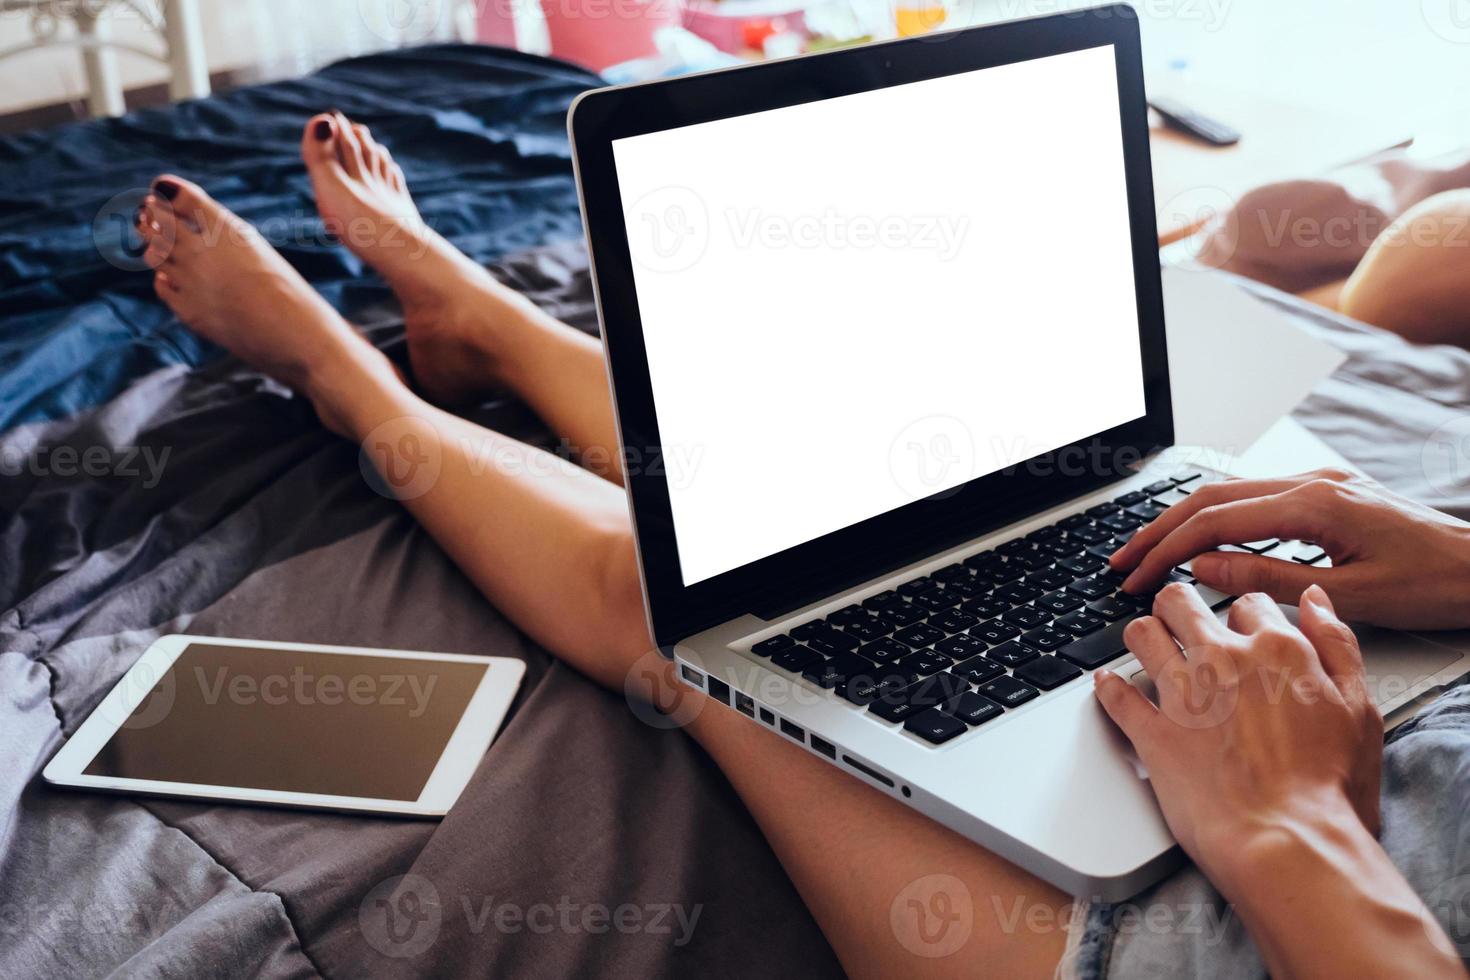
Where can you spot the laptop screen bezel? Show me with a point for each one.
(832, 562)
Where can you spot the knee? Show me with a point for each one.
(1415, 279)
(621, 589)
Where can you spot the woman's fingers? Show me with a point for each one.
(1127, 557)
(1129, 709)
(1254, 613)
(1187, 616)
(1237, 574)
(1334, 642)
(1292, 514)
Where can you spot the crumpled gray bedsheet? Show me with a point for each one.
(262, 526)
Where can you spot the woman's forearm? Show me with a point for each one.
(1320, 897)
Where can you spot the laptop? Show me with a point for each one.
(886, 341)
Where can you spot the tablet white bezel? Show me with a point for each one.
(472, 735)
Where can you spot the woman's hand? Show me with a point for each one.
(1394, 562)
(1258, 725)
(1265, 753)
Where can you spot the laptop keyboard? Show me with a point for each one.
(954, 649)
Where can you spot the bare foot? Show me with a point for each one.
(224, 280)
(449, 302)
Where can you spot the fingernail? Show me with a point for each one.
(1101, 676)
(323, 130)
(1317, 596)
(1213, 570)
(167, 189)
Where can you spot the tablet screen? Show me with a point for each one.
(294, 720)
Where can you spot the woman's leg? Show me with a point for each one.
(549, 543)
(466, 331)
(1415, 279)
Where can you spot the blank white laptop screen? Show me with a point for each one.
(852, 304)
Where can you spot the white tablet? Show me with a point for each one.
(293, 724)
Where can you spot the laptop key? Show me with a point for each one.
(995, 632)
(1096, 649)
(1148, 511)
(806, 630)
(1130, 498)
(977, 670)
(934, 726)
(830, 673)
(834, 637)
(894, 707)
(864, 688)
(1081, 565)
(953, 621)
(1001, 574)
(960, 647)
(775, 644)
(1091, 588)
(1050, 578)
(1158, 486)
(1073, 522)
(1027, 617)
(1091, 535)
(1059, 603)
(951, 573)
(849, 615)
(1119, 523)
(1103, 510)
(1046, 639)
(923, 663)
(968, 588)
(1008, 692)
(882, 600)
(796, 659)
(1110, 608)
(919, 635)
(1016, 594)
(972, 709)
(1011, 654)
(883, 651)
(936, 601)
(1048, 673)
(1081, 623)
(986, 607)
(826, 649)
(1261, 547)
(906, 614)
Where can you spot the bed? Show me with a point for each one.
(215, 503)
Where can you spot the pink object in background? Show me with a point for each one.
(497, 25)
(727, 24)
(601, 33)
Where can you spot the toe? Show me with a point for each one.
(194, 212)
(319, 140)
(349, 148)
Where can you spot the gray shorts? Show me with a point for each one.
(1183, 928)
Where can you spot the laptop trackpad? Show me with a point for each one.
(1397, 664)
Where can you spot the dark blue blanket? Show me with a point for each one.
(480, 133)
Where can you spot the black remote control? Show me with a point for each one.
(1178, 116)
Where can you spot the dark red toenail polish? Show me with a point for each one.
(167, 189)
(323, 130)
